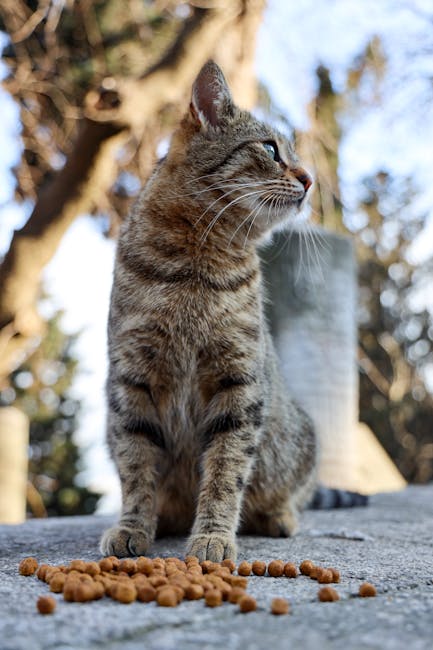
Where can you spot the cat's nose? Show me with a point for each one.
(302, 176)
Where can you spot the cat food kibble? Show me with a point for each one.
(77, 565)
(92, 568)
(146, 593)
(315, 572)
(258, 568)
(28, 566)
(367, 590)
(194, 592)
(45, 604)
(57, 582)
(167, 597)
(105, 564)
(124, 592)
(276, 568)
(229, 564)
(335, 574)
(247, 604)
(41, 571)
(213, 598)
(238, 581)
(244, 569)
(327, 594)
(236, 594)
(279, 606)
(290, 570)
(325, 576)
(305, 567)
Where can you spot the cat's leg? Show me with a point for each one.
(226, 465)
(284, 475)
(136, 458)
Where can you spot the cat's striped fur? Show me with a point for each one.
(200, 426)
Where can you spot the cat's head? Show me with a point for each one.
(224, 152)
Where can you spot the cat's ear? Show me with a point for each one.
(211, 101)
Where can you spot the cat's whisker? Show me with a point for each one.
(218, 215)
(235, 187)
(245, 220)
(255, 213)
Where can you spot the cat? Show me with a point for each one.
(204, 436)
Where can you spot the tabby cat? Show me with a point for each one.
(204, 436)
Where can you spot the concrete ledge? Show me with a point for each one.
(390, 543)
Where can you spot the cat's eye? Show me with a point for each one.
(272, 150)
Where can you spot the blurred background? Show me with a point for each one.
(92, 90)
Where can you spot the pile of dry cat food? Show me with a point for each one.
(171, 580)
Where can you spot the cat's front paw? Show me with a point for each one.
(123, 541)
(212, 546)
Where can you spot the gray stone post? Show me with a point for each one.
(312, 312)
(14, 439)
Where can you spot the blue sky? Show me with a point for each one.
(396, 133)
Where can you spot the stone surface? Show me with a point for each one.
(389, 543)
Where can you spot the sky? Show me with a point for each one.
(295, 37)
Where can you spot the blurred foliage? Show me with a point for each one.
(40, 388)
(396, 334)
(58, 51)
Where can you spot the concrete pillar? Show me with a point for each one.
(312, 313)
(14, 440)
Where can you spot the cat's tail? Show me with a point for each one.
(327, 498)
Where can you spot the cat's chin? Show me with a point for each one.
(293, 219)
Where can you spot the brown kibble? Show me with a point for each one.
(213, 598)
(258, 568)
(238, 581)
(247, 604)
(315, 572)
(244, 569)
(41, 571)
(305, 567)
(124, 592)
(83, 592)
(158, 580)
(78, 565)
(290, 570)
(50, 573)
(167, 597)
(335, 574)
(231, 566)
(236, 594)
(191, 559)
(98, 590)
(28, 567)
(105, 564)
(327, 594)
(194, 592)
(144, 565)
(280, 606)
(57, 582)
(146, 593)
(69, 590)
(367, 590)
(205, 565)
(115, 561)
(276, 568)
(45, 604)
(128, 566)
(92, 568)
(325, 577)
